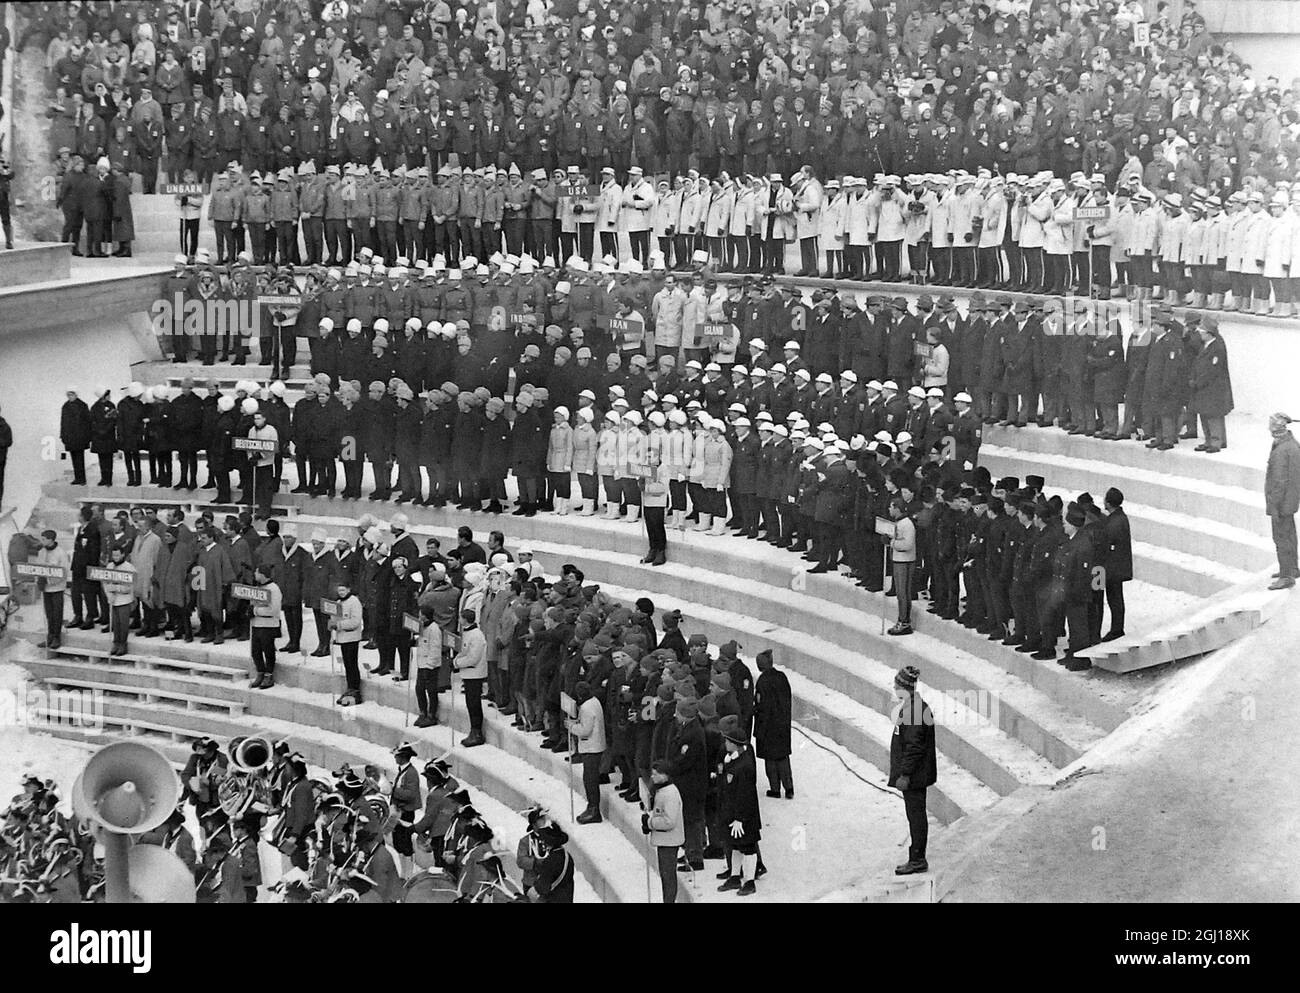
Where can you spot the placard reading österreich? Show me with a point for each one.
(1091, 213)
(39, 570)
(241, 591)
(253, 444)
(100, 574)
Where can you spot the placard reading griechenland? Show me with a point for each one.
(39, 570)
(253, 444)
(241, 591)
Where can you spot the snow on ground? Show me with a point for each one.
(25, 751)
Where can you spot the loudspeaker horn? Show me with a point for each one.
(127, 788)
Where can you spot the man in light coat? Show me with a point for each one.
(663, 822)
(588, 727)
(808, 199)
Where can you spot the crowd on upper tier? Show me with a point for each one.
(967, 133)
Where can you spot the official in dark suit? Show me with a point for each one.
(772, 715)
(1116, 559)
(913, 764)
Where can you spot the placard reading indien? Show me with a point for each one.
(254, 444)
(100, 574)
(40, 570)
(242, 591)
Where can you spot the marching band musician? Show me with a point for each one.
(439, 806)
(204, 770)
(292, 831)
(405, 796)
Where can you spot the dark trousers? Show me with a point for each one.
(293, 620)
(84, 601)
(1285, 541)
(917, 823)
(779, 775)
(53, 619)
(654, 529)
(426, 692)
(263, 649)
(591, 779)
(903, 572)
(351, 670)
(121, 624)
(474, 703)
(394, 647)
(667, 860)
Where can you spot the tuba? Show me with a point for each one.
(245, 789)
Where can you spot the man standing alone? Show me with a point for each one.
(1282, 498)
(912, 764)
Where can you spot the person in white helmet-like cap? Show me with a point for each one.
(715, 456)
(966, 431)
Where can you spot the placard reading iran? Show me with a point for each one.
(254, 444)
(630, 332)
(241, 591)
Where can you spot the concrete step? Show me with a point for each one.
(1236, 506)
(1219, 623)
(1182, 461)
(1001, 730)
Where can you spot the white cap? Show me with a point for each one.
(962, 398)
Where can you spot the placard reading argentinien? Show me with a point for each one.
(40, 570)
(1091, 213)
(100, 574)
(331, 607)
(242, 591)
(182, 189)
(411, 623)
(254, 444)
